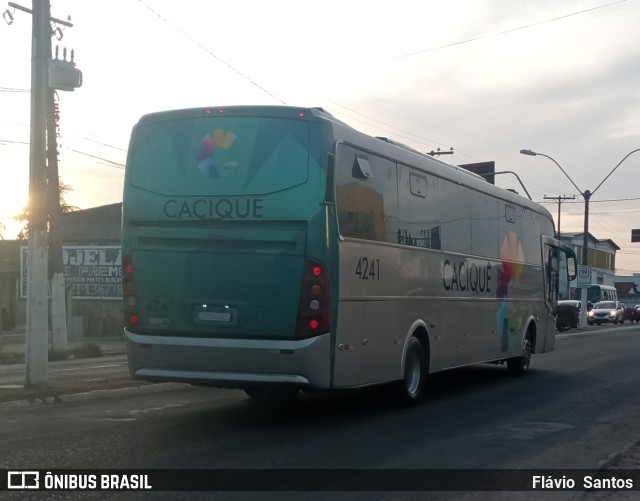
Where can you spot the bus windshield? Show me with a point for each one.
(605, 305)
(217, 155)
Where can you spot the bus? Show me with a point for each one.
(596, 293)
(274, 248)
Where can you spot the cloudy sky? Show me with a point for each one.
(486, 77)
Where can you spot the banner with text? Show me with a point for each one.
(92, 272)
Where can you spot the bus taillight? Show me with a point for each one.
(314, 317)
(131, 318)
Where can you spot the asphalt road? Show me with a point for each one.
(576, 408)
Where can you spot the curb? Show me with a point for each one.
(614, 456)
(90, 395)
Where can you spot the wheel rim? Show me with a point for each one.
(526, 357)
(412, 373)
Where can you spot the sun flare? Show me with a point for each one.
(13, 198)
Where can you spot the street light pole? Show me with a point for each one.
(587, 196)
(585, 239)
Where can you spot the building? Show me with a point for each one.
(601, 256)
(9, 273)
(93, 270)
(635, 278)
(628, 293)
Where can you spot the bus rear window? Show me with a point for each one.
(219, 156)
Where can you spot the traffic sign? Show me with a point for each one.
(584, 276)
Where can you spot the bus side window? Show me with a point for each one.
(366, 195)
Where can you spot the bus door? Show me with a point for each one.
(559, 265)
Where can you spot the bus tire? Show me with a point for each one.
(410, 389)
(518, 366)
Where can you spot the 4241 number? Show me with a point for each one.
(368, 269)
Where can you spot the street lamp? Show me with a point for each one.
(587, 196)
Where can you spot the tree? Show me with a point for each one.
(23, 217)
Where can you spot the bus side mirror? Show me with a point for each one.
(572, 268)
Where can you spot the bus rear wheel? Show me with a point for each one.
(411, 388)
(518, 366)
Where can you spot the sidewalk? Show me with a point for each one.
(90, 364)
(12, 345)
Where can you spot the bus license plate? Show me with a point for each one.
(215, 316)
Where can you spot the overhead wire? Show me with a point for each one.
(100, 142)
(109, 163)
(13, 89)
(490, 35)
(431, 141)
(385, 130)
(414, 137)
(253, 82)
(9, 141)
(215, 56)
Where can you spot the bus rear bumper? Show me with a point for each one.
(230, 363)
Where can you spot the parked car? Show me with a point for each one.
(567, 315)
(632, 313)
(606, 312)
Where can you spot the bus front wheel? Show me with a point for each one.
(410, 388)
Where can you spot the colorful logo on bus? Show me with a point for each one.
(509, 323)
(214, 156)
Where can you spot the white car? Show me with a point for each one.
(606, 312)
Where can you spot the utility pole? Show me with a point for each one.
(59, 332)
(560, 200)
(46, 76)
(63, 75)
(37, 342)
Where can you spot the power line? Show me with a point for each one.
(188, 37)
(110, 163)
(8, 141)
(599, 201)
(100, 142)
(219, 59)
(13, 89)
(380, 128)
(388, 125)
(490, 35)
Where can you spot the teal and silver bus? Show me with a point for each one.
(274, 248)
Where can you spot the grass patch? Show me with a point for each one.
(57, 355)
(86, 350)
(11, 358)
